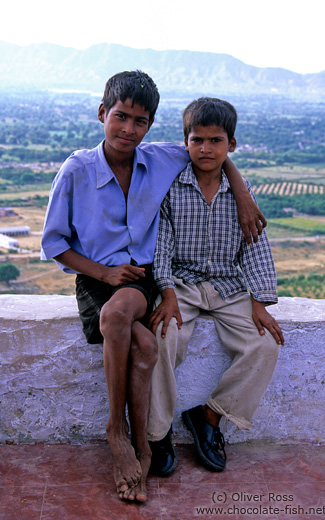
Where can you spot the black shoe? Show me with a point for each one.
(164, 458)
(209, 441)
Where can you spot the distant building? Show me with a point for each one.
(8, 242)
(7, 212)
(286, 210)
(12, 231)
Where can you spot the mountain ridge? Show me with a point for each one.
(52, 66)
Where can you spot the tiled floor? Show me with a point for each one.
(74, 482)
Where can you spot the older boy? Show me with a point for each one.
(101, 224)
(203, 263)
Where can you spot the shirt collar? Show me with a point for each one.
(104, 173)
(140, 158)
(187, 176)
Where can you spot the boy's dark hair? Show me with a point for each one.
(137, 86)
(208, 111)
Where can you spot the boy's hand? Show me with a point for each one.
(251, 219)
(113, 275)
(125, 273)
(167, 309)
(262, 318)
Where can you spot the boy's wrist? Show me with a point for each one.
(256, 303)
(102, 272)
(168, 294)
(164, 284)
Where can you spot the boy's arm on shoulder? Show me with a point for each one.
(250, 216)
(113, 275)
(263, 319)
(165, 311)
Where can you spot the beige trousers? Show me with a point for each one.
(253, 357)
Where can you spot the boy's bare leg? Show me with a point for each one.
(117, 318)
(143, 357)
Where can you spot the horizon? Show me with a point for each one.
(156, 50)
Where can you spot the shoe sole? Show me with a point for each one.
(204, 459)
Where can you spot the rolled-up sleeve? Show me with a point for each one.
(258, 268)
(57, 227)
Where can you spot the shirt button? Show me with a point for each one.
(130, 227)
(209, 263)
(131, 250)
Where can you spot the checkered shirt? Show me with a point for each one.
(201, 242)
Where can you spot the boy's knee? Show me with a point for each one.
(144, 353)
(172, 331)
(113, 318)
(273, 346)
(168, 346)
(268, 347)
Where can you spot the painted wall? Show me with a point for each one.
(53, 389)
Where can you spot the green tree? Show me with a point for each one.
(8, 272)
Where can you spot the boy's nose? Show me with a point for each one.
(129, 127)
(205, 148)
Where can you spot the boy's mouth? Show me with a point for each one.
(126, 139)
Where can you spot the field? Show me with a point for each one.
(288, 188)
(301, 174)
(296, 254)
(301, 226)
(280, 150)
(36, 276)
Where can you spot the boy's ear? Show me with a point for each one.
(101, 112)
(150, 124)
(186, 143)
(232, 144)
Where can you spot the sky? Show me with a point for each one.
(264, 33)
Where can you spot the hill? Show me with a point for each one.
(49, 66)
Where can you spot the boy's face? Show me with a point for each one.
(124, 125)
(208, 147)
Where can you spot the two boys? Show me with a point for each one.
(101, 224)
(202, 262)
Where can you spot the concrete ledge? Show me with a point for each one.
(53, 389)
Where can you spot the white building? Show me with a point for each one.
(15, 230)
(8, 242)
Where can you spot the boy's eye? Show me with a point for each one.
(120, 116)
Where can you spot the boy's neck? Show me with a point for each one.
(118, 161)
(122, 167)
(209, 182)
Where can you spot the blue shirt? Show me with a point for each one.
(87, 210)
(199, 242)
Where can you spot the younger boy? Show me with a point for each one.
(101, 224)
(203, 263)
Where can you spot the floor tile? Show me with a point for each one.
(75, 482)
(91, 501)
(21, 502)
(20, 464)
(298, 499)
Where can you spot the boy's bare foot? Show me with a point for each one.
(127, 468)
(139, 492)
